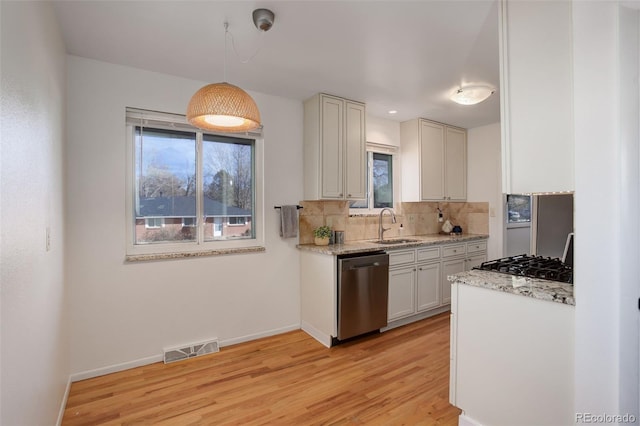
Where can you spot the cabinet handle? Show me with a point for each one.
(340, 195)
(348, 195)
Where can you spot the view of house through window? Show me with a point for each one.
(228, 187)
(379, 182)
(518, 208)
(171, 205)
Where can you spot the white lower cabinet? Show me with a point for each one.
(402, 290)
(473, 261)
(428, 286)
(413, 289)
(450, 267)
(418, 280)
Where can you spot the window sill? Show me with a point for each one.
(204, 253)
(367, 212)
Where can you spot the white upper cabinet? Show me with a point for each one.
(455, 165)
(355, 163)
(334, 148)
(536, 89)
(434, 161)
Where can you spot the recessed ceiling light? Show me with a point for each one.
(471, 95)
(393, 111)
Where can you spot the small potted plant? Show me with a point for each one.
(322, 235)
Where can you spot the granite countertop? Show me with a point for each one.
(369, 245)
(553, 291)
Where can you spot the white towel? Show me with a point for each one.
(289, 221)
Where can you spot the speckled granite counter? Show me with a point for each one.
(553, 291)
(368, 246)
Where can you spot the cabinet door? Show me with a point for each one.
(527, 54)
(331, 141)
(431, 161)
(455, 164)
(475, 260)
(428, 286)
(355, 151)
(402, 290)
(450, 267)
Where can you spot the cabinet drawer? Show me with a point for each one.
(432, 253)
(401, 257)
(476, 247)
(451, 251)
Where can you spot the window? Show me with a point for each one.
(518, 208)
(188, 222)
(153, 222)
(235, 220)
(379, 182)
(185, 183)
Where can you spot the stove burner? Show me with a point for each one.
(545, 268)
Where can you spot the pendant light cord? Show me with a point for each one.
(226, 31)
(233, 45)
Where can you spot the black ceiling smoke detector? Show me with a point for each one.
(263, 19)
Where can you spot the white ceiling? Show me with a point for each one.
(403, 55)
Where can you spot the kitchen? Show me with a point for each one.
(110, 312)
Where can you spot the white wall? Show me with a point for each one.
(629, 39)
(34, 331)
(484, 180)
(126, 312)
(606, 279)
(383, 131)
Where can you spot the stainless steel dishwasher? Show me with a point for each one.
(363, 293)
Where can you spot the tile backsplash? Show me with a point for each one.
(417, 218)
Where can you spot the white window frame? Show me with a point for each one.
(373, 147)
(159, 120)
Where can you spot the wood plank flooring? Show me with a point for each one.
(400, 377)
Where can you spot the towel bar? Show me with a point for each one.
(297, 207)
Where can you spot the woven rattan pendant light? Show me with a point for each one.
(223, 107)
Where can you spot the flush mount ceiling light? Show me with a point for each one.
(471, 95)
(224, 107)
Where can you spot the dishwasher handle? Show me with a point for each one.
(366, 265)
(363, 262)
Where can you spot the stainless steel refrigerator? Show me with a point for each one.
(537, 224)
(551, 223)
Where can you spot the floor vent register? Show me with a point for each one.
(191, 351)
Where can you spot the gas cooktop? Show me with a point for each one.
(545, 268)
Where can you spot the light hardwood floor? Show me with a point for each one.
(400, 377)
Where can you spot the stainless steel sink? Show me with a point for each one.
(396, 241)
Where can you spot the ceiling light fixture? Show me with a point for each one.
(471, 95)
(224, 107)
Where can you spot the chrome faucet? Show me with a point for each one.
(380, 228)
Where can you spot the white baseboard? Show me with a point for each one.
(63, 404)
(464, 420)
(115, 368)
(414, 318)
(256, 336)
(159, 358)
(316, 334)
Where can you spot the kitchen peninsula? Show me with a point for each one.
(512, 349)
